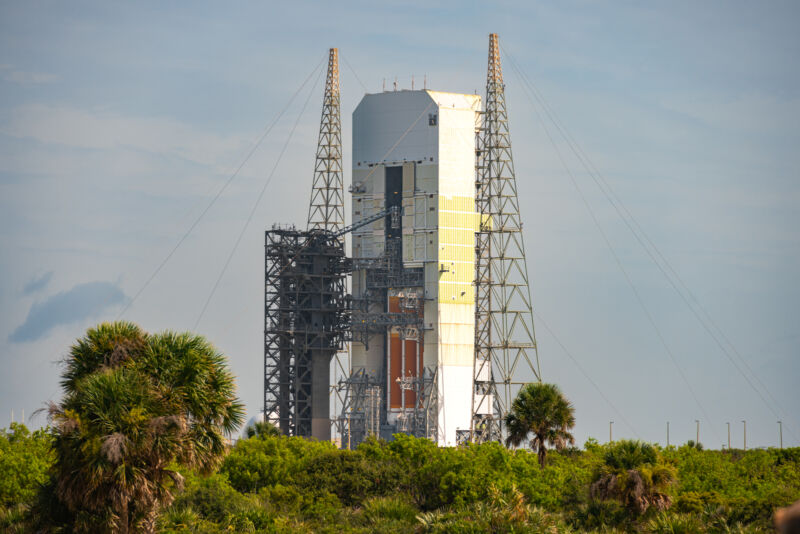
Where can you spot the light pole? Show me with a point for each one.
(667, 433)
(745, 434)
(729, 435)
(609, 431)
(697, 438)
(780, 429)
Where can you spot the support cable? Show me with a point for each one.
(354, 72)
(255, 205)
(641, 236)
(627, 277)
(235, 173)
(586, 375)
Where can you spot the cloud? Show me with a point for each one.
(72, 306)
(37, 283)
(10, 74)
(106, 130)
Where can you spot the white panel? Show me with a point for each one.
(420, 207)
(419, 247)
(484, 403)
(455, 400)
(380, 121)
(431, 213)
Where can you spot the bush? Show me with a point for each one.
(378, 509)
(211, 497)
(265, 461)
(675, 524)
(25, 458)
(345, 473)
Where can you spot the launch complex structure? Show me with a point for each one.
(433, 301)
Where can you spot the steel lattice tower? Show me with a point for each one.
(326, 211)
(505, 341)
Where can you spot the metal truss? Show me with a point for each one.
(326, 210)
(306, 321)
(505, 340)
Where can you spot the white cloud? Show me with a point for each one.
(10, 74)
(750, 113)
(103, 130)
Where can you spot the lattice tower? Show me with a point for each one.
(505, 340)
(326, 211)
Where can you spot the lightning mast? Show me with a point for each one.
(505, 340)
(326, 210)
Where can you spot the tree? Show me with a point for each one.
(261, 429)
(634, 474)
(25, 459)
(135, 405)
(542, 410)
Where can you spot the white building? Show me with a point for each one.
(416, 149)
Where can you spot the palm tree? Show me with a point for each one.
(633, 473)
(543, 411)
(135, 404)
(262, 429)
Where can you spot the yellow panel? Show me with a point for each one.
(456, 272)
(408, 178)
(458, 222)
(461, 253)
(456, 293)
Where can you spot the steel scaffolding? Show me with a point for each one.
(306, 322)
(505, 339)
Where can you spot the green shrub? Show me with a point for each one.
(344, 473)
(380, 509)
(665, 523)
(599, 514)
(211, 497)
(25, 458)
(696, 502)
(253, 464)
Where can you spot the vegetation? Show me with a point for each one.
(135, 406)
(137, 445)
(543, 411)
(277, 484)
(635, 474)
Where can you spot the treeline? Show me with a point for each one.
(270, 483)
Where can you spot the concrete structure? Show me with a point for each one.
(416, 149)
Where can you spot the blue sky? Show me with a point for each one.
(119, 122)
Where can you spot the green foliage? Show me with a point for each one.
(134, 404)
(347, 473)
(278, 484)
(502, 512)
(627, 454)
(634, 473)
(25, 458)
(675, 524)
(269, 460)
(540, 410)
(378, 510)
(262, 429)
(146, 414)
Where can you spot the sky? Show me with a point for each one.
(120, 122)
